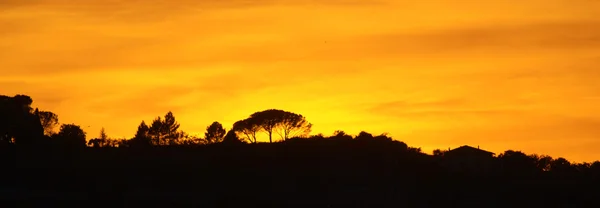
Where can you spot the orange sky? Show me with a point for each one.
(434, 73)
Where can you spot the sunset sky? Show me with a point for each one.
(499, 74)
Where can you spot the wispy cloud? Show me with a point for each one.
(501, 39)
(421, 69)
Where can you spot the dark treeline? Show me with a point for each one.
(161, 166)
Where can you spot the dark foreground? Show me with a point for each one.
(291, 174)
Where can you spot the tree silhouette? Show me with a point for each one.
(165, 132)
(517, 163)
(102, 141)
(248, 128)
(156, 131)
(543, 162)
(268, 120)
(285, 124)
(18, 123)
(293, 125)
(70, 136)
(142, 136)
(103, 135)
(49, 121)
(170, 129)
(231, 138)
(214, 133)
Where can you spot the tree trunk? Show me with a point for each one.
(270, 137)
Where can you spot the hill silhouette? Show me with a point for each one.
(162, 166)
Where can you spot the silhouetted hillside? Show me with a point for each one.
(162, 166)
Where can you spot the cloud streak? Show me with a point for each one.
(432, 72)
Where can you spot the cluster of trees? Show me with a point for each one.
(285, 124)
(20, 123)
(520, 164)
(166, 131)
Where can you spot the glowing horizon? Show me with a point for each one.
(499, 74)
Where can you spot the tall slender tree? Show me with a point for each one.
(171, 129)
(156, 131)
(102, 140)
